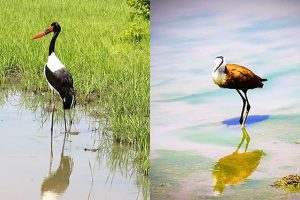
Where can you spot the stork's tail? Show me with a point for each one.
(69, 100)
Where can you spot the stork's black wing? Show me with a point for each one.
(62, 81)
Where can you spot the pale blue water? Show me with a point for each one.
(189, 113)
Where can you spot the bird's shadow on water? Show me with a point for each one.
(252, 119)
(235, 167)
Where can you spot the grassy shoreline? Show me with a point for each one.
(95, 44)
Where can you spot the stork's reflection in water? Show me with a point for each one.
(57, 182)
(236, 167)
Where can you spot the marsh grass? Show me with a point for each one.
(109, 66)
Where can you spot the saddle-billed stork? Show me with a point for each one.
(237, 77)
(57, 76)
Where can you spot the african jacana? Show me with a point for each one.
(57, 76)
(237, 77)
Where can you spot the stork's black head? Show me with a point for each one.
(54, 27)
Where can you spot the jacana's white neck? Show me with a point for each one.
(219, 72)
(220, 69)
(220, 64)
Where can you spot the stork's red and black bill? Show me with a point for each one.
(48, 30)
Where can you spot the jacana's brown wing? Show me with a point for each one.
(240, 77)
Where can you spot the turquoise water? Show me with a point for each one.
(190, 114)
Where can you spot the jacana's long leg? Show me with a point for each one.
(244, 105)
(248, 107)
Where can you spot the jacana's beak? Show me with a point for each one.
(48, 30)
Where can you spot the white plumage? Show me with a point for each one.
(54, 63)
(219, 75)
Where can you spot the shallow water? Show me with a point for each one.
(28, 172)
(194, 124)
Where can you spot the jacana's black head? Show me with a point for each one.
(219, 61)
(54, 27)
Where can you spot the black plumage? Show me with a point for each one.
(62, 81)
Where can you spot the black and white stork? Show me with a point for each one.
(57, 76)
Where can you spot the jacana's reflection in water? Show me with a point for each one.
(236, 167)
(57, 181)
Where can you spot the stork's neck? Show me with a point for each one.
(52, 43)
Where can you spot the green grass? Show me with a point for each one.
(106, 51)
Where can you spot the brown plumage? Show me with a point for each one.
(237, 77)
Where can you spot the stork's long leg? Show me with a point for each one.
(248, 107)
(51, 143)
(52, 109)
(244, 105)
(63, 146)
(71, 122)
(52, 103)
(65, 121)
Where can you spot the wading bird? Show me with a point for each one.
(237, 77)
(57, 76)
